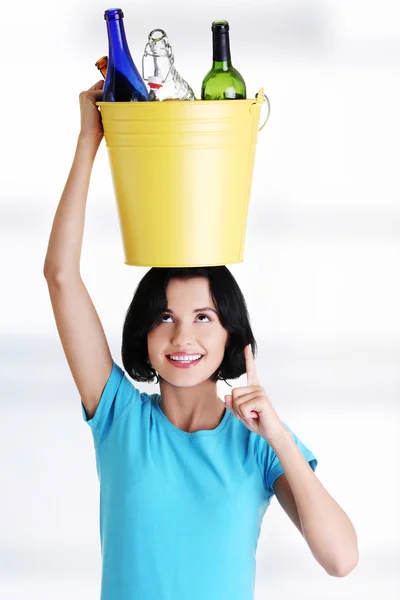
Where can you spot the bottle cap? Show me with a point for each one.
(112, 14)
(220, 26)
(102, 62)
(154, 82)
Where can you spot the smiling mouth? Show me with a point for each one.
(184, 363)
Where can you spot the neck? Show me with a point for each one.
(221, 47)
(192, 408)
(116, 33)
(222, 65)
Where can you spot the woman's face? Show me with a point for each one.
(186, 332)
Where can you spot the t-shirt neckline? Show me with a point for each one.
(187, 434)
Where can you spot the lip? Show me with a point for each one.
(187, 365)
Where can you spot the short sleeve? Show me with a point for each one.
(272, 468)
(116, 397)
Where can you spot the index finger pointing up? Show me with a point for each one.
(251, 371)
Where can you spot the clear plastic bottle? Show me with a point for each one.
(160, 72)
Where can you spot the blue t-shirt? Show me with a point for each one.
(180, 512)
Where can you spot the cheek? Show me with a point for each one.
(154, 335)
(218, 341)
(152, 343)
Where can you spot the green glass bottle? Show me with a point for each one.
(223, 81)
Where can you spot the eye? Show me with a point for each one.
(203, 315)
(163, 316)
(167, 316)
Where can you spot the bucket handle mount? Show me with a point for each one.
(262, 98)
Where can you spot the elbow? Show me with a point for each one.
(344, 568)
(49, 273)
(46, 271)
(57, 276)
(346, 556)
(49, 269)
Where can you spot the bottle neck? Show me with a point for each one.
(221, 49)
(162, 59)
(117, 42)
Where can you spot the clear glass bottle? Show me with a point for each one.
(223, 81)
(123, 82)
(159, 70)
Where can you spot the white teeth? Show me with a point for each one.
(185, 358)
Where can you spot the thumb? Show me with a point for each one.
(97, 94)
(98, 85)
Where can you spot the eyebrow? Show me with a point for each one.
(196, 310)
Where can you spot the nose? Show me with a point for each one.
(182, 335)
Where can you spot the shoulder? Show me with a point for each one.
(119, 395)
(270, 465)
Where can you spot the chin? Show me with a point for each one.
(185, 379)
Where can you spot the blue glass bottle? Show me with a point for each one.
(123, 82)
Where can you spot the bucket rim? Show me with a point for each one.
(186, 102)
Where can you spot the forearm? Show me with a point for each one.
(65, 243)
(326, 528)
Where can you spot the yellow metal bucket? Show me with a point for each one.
(182, 174)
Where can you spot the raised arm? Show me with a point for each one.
(79, 327)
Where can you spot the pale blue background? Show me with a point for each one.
(320, 274)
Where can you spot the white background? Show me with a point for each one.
(320, 276)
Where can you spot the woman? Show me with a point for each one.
(185, 479)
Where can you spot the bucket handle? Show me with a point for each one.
(262, 98)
